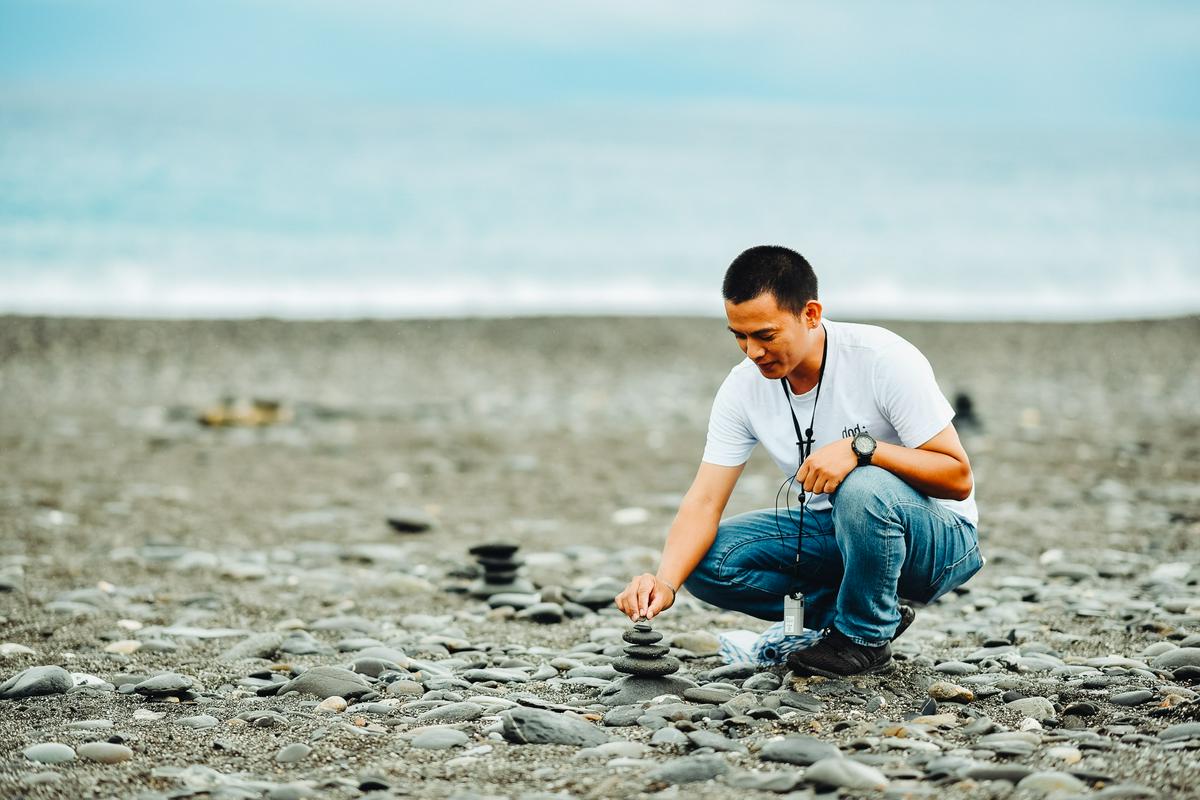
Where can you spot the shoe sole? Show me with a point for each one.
(884, 667)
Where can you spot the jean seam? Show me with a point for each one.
(725, 557)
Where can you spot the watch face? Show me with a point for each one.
(864, 444)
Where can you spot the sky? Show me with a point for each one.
(1065, 62)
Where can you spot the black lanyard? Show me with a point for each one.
(804, 442)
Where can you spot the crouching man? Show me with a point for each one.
(854, 415)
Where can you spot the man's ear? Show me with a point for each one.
(812, 313)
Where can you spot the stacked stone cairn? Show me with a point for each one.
(649, 670)
(501, 570)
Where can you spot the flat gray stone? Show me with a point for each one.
(290, 754)
(799, 750)
(49, 753)
(168, 684)
(545, 613)
(1179, 657)
(198, 722)
(325, 682)
(104, 752)
(451, 712)
(495, 674)
(260, 645)
(622, 716)
(688, 769)
(646, 667)
(36, 681)
(845, 773)
(699, 643)
(1051, 782)
(1135, 698)
(703, 694)
(440, 739)
(715, 741)
(669, 737)
(537, 726)
(637, 689)
(776, 781)
(1180, 732)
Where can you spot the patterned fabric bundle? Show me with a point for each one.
(768, 648)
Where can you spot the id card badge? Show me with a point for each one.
(793, 614)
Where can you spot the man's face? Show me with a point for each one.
(775, 339)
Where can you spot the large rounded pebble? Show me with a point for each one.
(669, 737)
(763, 682)
(701, 694)
(36, 681)
(845, 773)
(325, 682)
(1035, 707)
(545, 613)
(1179, 657)
(13, 649)
(1050, 782)
(333, 703)
(537, 726)
(950, 692)
(166, 684)
(198, 722)
(799, 750)
(292, 753)
(49, 753)
(105, 752)
(688, 769)
(440, 739)
(1134, 698)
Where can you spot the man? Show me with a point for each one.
(891, 509)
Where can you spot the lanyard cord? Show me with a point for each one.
(804, 443)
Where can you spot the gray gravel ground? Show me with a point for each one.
(130, 535)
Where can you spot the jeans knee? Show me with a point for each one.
(862, 487)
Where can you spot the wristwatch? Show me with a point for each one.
(863, 446)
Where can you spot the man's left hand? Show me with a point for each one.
(826, 467)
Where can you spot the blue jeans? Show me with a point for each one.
(881, 541)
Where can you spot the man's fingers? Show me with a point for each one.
(644, 589)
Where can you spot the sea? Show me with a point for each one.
(150, 204)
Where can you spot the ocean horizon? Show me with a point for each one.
(152, 204)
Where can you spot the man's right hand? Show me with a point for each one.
(645, 596)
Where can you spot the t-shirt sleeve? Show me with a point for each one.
(730, 440)
(908, 395)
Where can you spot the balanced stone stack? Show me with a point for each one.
(648, 668)
(501, 570)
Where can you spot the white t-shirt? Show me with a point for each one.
(875, 382)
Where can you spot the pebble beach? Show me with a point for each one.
(234, 564)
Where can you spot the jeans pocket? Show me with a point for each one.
(956, 573)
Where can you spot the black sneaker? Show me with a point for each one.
(907, 615)
(837, 656)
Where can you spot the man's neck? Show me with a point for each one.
(804, 377)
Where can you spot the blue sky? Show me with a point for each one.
(1095, 61)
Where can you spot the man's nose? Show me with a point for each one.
(754, 350)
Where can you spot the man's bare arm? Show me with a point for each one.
(938, 468)
(689, 538)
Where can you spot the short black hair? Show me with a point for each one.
(771, 268)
